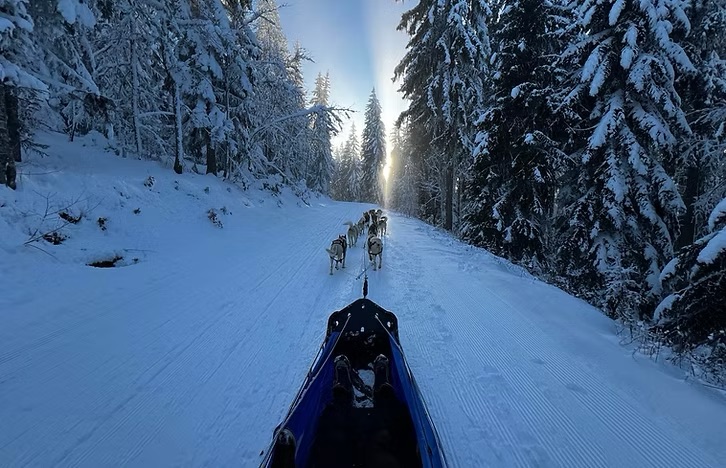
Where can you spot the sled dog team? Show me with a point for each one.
(376, 224)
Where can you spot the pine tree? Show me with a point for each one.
(442, 75)
(699, 170)
(321, 157)
(276, 109)
(18, 47)
(206, 44)
(130, 73)
(513, 184)
(336, 185)
(373, 152)
(350, 174)
(621, 216)
(16, 54)
(395, 161)
(692, 315)
(355, 175)
(63, 31)
(303, 142)
(405, 196)
(689, 316)
(239, 86)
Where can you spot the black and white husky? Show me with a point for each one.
(337, 252)
(375, 250)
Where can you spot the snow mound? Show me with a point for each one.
(82, 204)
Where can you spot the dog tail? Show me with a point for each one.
(348, 223)
(330, 251)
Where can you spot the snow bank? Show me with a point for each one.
(98, 205)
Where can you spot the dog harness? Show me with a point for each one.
(374, 242)
(341, 242)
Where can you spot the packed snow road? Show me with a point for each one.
(192, 358)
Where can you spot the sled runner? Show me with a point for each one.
(340, 418)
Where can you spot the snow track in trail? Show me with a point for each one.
(193, 357)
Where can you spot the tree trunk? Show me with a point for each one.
(226, 114)
(690, 197)
(11, 102)
(178, 167)
(211, 158)
(459, 191)
(5, 154)
(135, 91)
(449, 201)
(72, 134)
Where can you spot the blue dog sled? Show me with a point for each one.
(360, 405)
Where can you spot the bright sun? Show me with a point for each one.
(386, 171)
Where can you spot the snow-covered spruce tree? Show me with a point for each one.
(207, 79)
(64, 32)
(320, 157)
(395, 160)
(512, 185)
(355, 176)
(129, 71)
(373, 152)
(16, 44)
(408, 190)
(336, 188)
(277, 118)
(302, 126)
(426, 171)
(442, 76)
(173, 16)
(206, 46)
(350, 168)
(694, 314)
(619, 226)
(340, 165)
(238, 86)
(699, 168)
(405, 196)
(17, 53)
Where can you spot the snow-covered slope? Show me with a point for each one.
(191, 354)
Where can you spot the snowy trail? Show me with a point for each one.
(171, 375)
(195, 360)
(530, 376)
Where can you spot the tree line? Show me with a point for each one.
(202, 85)
(358, 165)
(582, 139)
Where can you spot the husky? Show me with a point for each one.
(382, 225)
(372, 218)
(361, 224)
(375, 250)
(353, 233)
(337, 252)
(373, 229)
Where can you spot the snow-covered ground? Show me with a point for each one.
(191, 352)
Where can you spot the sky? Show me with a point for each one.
(357, 42)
